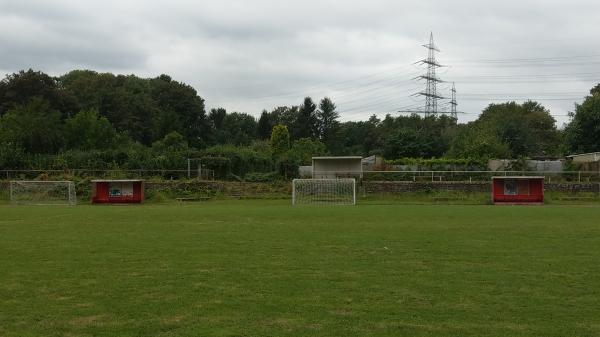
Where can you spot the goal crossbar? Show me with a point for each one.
(324, 191)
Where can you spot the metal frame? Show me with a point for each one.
(70, 190)
(294, 196)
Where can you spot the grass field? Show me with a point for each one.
(263, 268)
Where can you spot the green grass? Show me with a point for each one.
(263, 268)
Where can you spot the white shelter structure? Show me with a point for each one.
(585, 157)
(337, 167)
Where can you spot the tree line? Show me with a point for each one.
(85, 118)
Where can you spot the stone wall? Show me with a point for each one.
(573, 187)
(199, 188)
(377, 187)
(222, 188)
(283, 189)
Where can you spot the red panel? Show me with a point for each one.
(497, 188)
(537, 190)
(137, 192)
(101, 193)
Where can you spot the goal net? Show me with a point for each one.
(43, 193)
(323, 192)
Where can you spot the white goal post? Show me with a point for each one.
(42, 193)
(324, 192)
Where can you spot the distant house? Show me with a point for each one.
(373, 163)
(586, 161)
(544, 165)
(585, 157)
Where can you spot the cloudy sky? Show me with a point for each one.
(250, 55)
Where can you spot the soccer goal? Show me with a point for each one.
(323, 192)
(42, 193)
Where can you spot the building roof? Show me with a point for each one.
(584, 154)
(116, 180)
(340, 157)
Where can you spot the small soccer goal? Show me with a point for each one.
(324, 192)
(42, 193)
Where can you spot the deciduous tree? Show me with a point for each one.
(34, 126)
(583, 132)
(280, 140)
(87, 131)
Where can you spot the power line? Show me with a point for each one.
(509, 99)
(529, 59)
(377, 84)
(379, 90)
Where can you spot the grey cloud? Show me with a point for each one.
(249, 55)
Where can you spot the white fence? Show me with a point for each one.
(471, 176)
(397, 175)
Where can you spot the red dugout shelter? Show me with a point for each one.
(518, 190)
(126, 191)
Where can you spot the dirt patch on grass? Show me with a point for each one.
(173, 320)
(87, 320)
(342, 312)
(287, 324)
(83, 305)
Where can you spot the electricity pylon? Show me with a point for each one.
(430, 93)
(453, 103)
